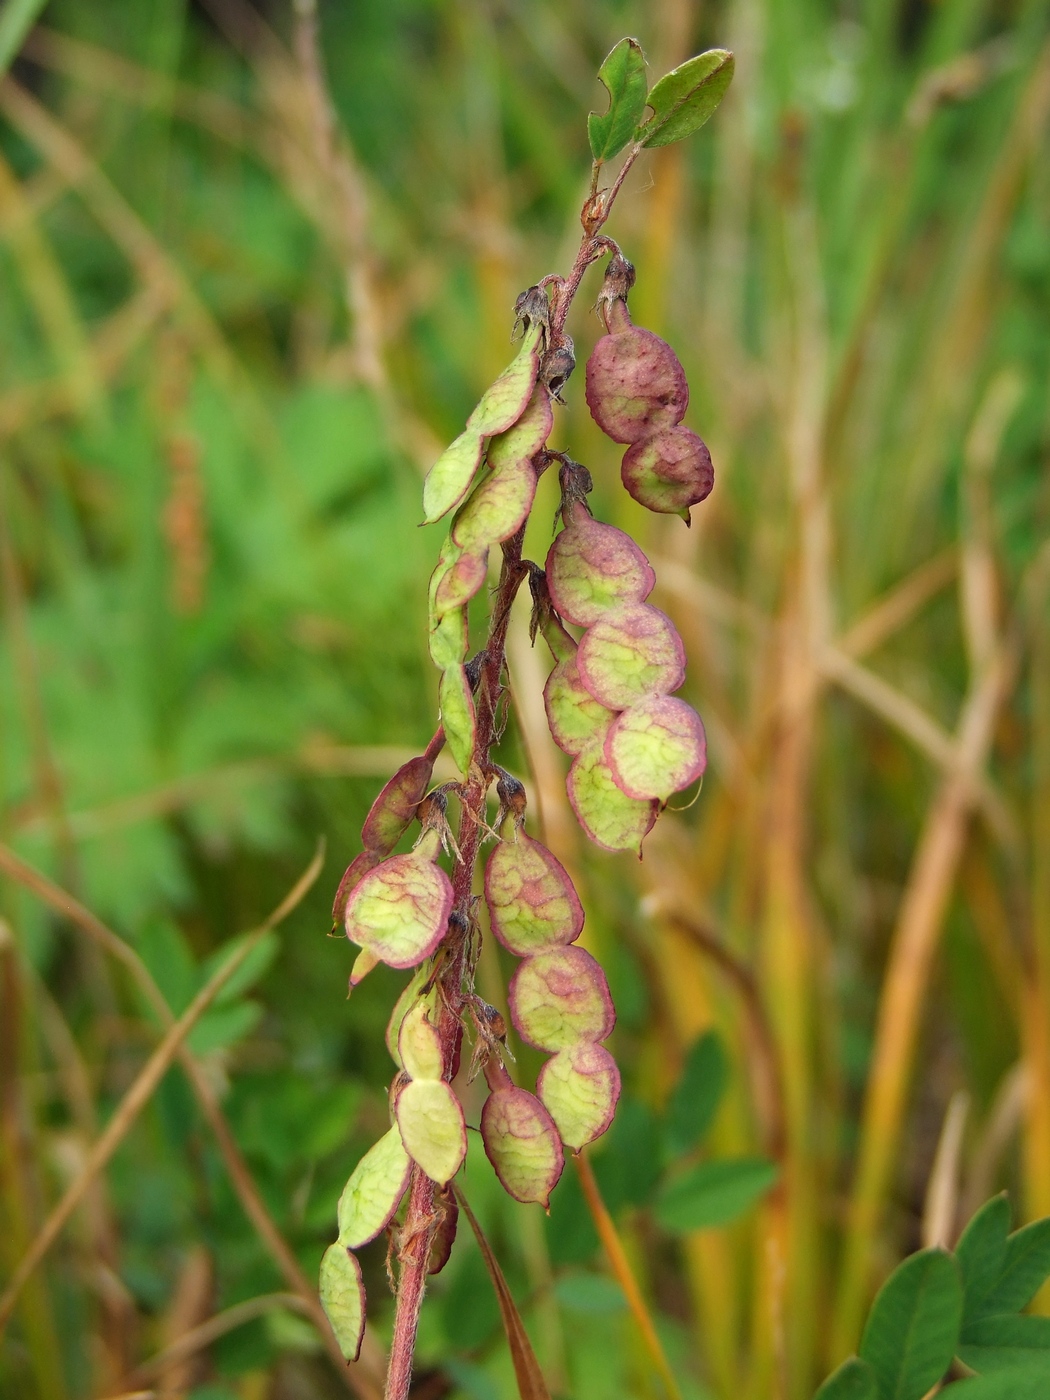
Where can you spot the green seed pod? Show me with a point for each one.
(343, 1298)
(560, 997)
(580, 1086)
(610, 818)
(635, 383)
(576, 719)
(456, 707)
(522, 1143)
(399, 911)
(531, 900)
(656, 747)
(374, 1191)
(432, 1127)
(630, 655)
(668, 471)
(593, 568)
(419, 1045)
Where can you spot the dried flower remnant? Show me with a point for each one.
(610, 706)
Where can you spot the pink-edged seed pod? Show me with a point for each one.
(394, 810)
(531, 900)
(409, 996)
(635, 382)
(528, 435)
(445, 1235)
(630, 655)
(419, 1044)
(609, 817)
(560, 997)
(354, 872)
(374, 1191)
(432, 1127)
(593, 568)
(522, 1143)
(580, 1087)
(400, 910)
(498, 506)
(668, 470)
(448, 638)
(575, 718)
(343, 1298)
(456, 707)
(461, 578)
(656, 747)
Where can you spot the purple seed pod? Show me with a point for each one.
(374, 1191)
(592, 568)
(668, 471)
(656, 747)
(630, 655)
(522, 1143)
(399, 911)
(531, 900)
(610, 818)
(394, 810)
(356, 870)
(635, 383)
(445, 1234)
(575, 718)
(456, 707)
(343, 1298)
(560, 997)
(432, 1127)
(580, 1086)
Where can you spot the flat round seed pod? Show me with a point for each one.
(394, 809)
(560, 997)
(575, 718)
(409, 994)
(355, 871)
(635, 384)
(448, 480)
(432, 1127)
(528, 434)
(610, 818)
(343, 1298)
(531, 900)
(463, 577)
(668, 470)
(374, 1191)
(631, 655)
(400, 910)
(447, 638)
(656, 747)
(497, 506)
(522, 1144)
(419, 1045)
(593, 568)
(456, 708)
(580, 1087)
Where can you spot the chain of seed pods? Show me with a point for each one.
(610, 707)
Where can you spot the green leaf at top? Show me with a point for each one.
(854, 1380)
(684, 98)
(1026, 1266)
(714, 1193)
(696, 1096)
(623, 76)
(913, 1327)
(980, 1253)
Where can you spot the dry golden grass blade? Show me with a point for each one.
(141, 1091)
(364, 1379)
(897, 608)
(940, 1216)
(197, 1339)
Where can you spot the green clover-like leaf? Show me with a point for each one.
(684, 98)
(623, 76)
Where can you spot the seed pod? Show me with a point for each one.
(374, 1191)
(610, 818)
(409, 995)
(498, 506)
(576, 719)
(448, 639)
(355, 871)
(668, 471)
(593, 568)
(560, 997)
(635, 383)
(456, 707)
(580, 1086)
(343, 1298)
(531, 900)
(522, 1143)
(462, 577)
(432, 1127)
(656, 747)
(630, 655)
(419, 1045)
(445, 1234)
(400, 910)
(394, 809)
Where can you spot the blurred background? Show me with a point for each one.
(254, 276)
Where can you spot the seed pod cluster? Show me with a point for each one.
(638, 395)
(515, 417)
(608, 699)
(559, 997)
